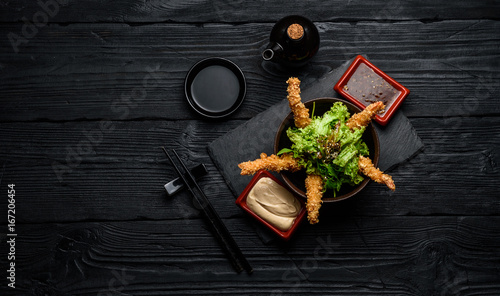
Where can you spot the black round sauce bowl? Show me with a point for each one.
(215, 87)
(295, 181)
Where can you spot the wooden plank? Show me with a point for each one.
(114, 71)
(348, 255)
(92, 217)
(246, 11)
(119, 174)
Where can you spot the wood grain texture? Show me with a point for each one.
(119, 176)
(250, 11)
(342, 256)
(98, 88)
(119, 72)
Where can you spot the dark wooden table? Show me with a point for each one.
(82, 122)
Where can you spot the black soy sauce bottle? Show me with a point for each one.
(294, 40)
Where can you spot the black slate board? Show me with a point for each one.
(398, 139)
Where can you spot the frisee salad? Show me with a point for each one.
(327, 147)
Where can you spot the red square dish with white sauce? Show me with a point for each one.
(267, 200)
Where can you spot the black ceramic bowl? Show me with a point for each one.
(215, 87)
(296, 180)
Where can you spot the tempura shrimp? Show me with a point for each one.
(284, 162)
(368, 169)
(300, 112)
(364, 117)
(314, 193)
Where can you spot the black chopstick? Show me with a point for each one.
(238, 260)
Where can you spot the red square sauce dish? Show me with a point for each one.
(363, 84)
(267, 200)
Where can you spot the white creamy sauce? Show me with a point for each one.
(273, 203)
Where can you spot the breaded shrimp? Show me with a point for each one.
(314, 193)
(364, 117)
(272, 163)
(366, 167)
(300, 112)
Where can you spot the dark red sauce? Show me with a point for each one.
(368, 87)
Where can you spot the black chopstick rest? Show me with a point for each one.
(177, 184)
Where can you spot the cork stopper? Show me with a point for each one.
(295, 31)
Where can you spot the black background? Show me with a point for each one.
(96, 87)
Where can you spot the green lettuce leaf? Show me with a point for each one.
(309, 147)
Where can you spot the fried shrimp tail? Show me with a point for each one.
(366, 167)
(284, 162)
(314, 193)
(364, 117)
(300, 112)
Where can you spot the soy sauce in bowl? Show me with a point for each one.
(215, 87)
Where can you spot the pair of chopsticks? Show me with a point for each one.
(238, 260)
